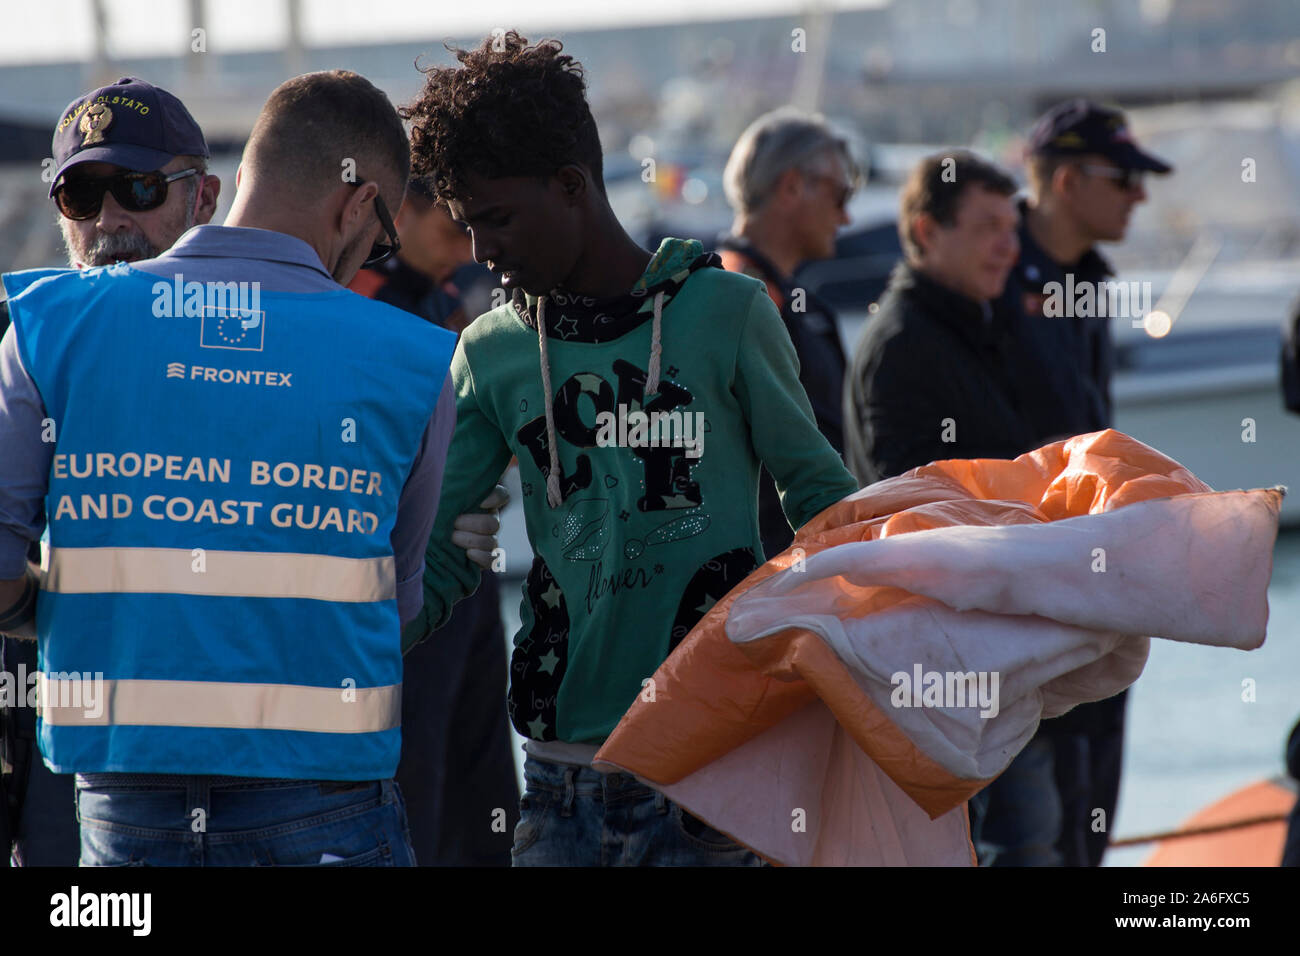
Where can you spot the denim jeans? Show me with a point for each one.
(575, 816)
(171, 820)
(1016, 820)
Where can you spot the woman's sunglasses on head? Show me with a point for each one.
(82, 197)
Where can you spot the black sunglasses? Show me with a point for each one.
(380, 251)
(82, 197)
(1124, 179)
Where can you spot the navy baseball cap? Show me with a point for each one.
(1079, 127)
(132, 124)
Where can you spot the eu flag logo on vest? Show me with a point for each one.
(233, 328)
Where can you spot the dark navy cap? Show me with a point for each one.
(132, 124)
(1078, 127)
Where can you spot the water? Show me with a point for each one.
(1190, 737)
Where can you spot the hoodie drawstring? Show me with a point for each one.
(656, 347)
(553, 496)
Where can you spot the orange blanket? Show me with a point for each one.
(842, 703)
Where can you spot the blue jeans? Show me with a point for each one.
(171, 820)
(574, 816)
(1016, 820)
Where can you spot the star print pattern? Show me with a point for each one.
(649, 582)
(707, 586)
(540, 657)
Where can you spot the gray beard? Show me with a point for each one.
(110, 247)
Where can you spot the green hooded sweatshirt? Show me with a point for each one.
(645, 522)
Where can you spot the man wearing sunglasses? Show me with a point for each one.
(126, 188)
(789, 179)
(1085, 178)
(132, 174)
(241, 619)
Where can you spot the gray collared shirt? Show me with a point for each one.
(280, 263)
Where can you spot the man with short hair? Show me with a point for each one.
(637, 528)
(1085, 179)
(1085, 176)
(934, 377)
(930, 377)
(245, 651)
(789, 179)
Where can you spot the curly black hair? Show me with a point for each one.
(509, 109)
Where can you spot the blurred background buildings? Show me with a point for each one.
(1208, 85)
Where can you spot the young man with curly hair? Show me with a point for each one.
(641, 394)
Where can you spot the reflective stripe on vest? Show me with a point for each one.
(178, 703)
(253, 574)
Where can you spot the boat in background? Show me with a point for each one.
(1246, 844)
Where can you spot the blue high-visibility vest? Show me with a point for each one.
(220, 590)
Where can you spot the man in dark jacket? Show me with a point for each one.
(934, 376)
(931, 375)
(1291, 363)
(789, 178)
(1085, 179)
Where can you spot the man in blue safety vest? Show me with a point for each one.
(240, 461)
(38, 822)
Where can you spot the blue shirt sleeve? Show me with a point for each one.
(418, 504)
(25, 459)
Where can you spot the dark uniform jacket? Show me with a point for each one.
(1065, 363)
(1291, 363)
(814, 330)
(932, 378)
